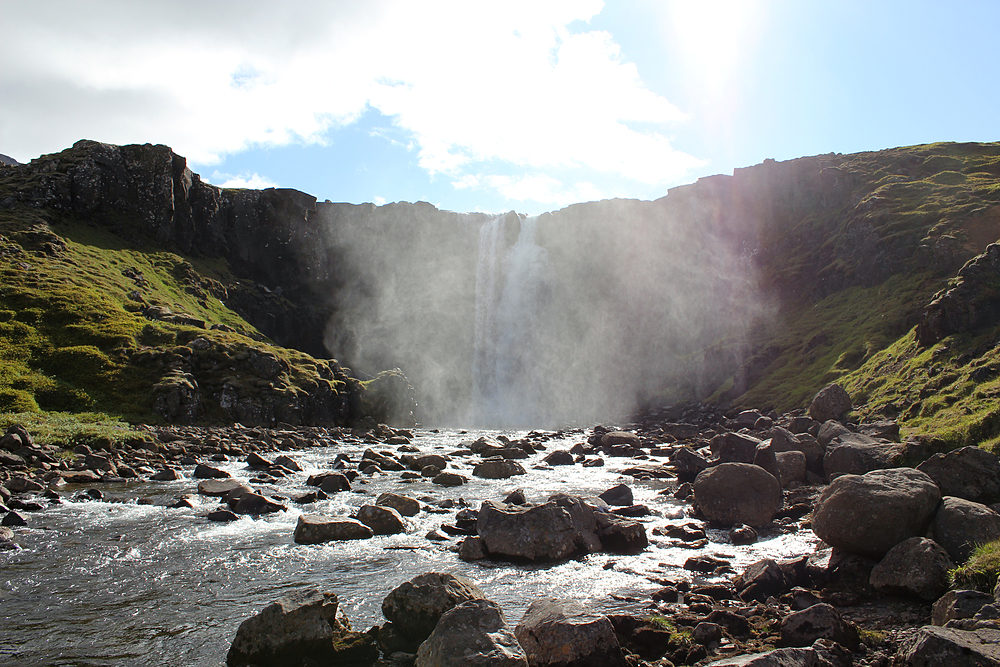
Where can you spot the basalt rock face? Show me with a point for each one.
(973, 302)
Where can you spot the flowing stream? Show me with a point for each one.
(115, 582)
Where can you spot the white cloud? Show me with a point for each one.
(252, 181)
(472, 86)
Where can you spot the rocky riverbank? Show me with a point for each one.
(875, 592)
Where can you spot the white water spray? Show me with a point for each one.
(513, 286)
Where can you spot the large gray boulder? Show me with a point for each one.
(472, 634)
(563, 527)
(732, 493)
(316, 529)
(820, 621)
(958, 604)
(857, 453)
(832, 402)
(962, 525)
(561, 633)
(301, 628)
(734, 448)
(784, 440)
(871, 513)
(916, 566)
(405, 505)
(931, 646)
(969, 472)
(382, 520)
(498, 469)
(414, 607)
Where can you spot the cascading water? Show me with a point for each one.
(512, 287)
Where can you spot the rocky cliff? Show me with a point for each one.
(758, 287)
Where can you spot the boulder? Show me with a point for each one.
(619, 535)
(784, 440)
(383, 461)
(820, 621)
(255, 460)
(822, 653)
(217, 488)
(471, 634)
(931, 645)
(415, 606)
(916, 566)
(317, 528)
(803, 424)
(288, 463)
(688, 464)
(731, 493)
(829, 430)
(560, 457)
(856, 454)
(620, 438)
(330, 482)
(382, 520)
(498, 469)
(962, 525)
(958, 604)
(765, 458)
(449, 479)
(255, 503)
(792, 467)
(301, 628)
(203, 471)
(832, 402)
(969, 472)
(541, 533)
(620, 495)
(734, 448)
(222, 515)
(23, 485)
(165, 475)
(405, 505)
(761, 580)
(436, 460)
(563, 633)
(871, 513)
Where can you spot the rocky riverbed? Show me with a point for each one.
(689, 537)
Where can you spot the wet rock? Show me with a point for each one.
(472, 549)
(255, 460)
(542, 533)
(620, 438)
(560, 457)
(688, 464)
(165, 475)
(288, 463)
(203, 471)
(332, 482)
(317, 528)
(89, 476)
(869, 514)
(561, 633)
(415, 606)
(474, 634)
(740, 534)
(931, 645)
(969, 472)
(820, 654)
(498, 469)
(449, 479)
(301, 628)
(761, 580)
(382, 520)
(255, 503)
(820, 621)
(436, 460)
(516, 497)
(832, 402)
(856, 454)
(961, 525)
(620, 495)
(620, 535)
(916, 566)
(958, 604)
(383, 461)
(405, 505)
(732, 493)
(222, 515)
(734, 448)
(22, 484)
(13, 519)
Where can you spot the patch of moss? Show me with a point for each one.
(982, 569)
(69, 430)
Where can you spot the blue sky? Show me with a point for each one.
(495, 106)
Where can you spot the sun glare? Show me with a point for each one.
(713, 36)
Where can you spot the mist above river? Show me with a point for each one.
(577, 316)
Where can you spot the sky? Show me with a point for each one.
(475, 106)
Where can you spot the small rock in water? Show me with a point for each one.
(740, 534)
(13, 519)
(222, 515)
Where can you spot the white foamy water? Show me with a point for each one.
(109, 583)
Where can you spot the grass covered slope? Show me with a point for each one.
(854, 272)
(88, 322)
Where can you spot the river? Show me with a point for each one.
(115, 582)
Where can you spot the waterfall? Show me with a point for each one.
(512, 285)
